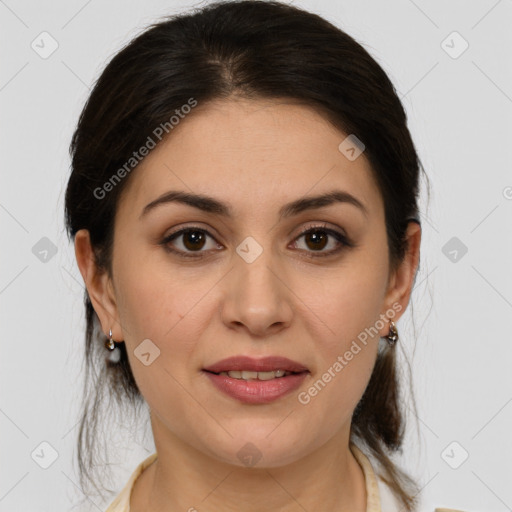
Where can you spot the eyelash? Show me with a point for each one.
(340, 237)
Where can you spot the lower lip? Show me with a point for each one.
(257, 391)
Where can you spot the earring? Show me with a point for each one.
(392, 337)
(110, 344)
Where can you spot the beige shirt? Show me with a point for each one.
(379, 495)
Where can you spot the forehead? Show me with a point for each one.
(243, 151)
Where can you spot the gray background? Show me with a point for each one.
(459, 109)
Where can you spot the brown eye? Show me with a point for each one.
(193, 240)
(188, 241)
(316, 239)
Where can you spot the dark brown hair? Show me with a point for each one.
(251, 49)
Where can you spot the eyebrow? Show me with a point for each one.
(211, 205)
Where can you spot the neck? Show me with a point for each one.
(183, 478)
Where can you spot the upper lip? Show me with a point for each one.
(264, 364)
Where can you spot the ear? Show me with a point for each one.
(401, 280)
(99, 286)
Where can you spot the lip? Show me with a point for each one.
(265, 364)
(257, 391)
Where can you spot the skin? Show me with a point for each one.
(256, 156)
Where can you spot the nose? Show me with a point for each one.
(256, 297)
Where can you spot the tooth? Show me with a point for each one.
(249, 375)
(266, 375)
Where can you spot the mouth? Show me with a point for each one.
(256, 381)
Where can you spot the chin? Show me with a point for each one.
(262, 447)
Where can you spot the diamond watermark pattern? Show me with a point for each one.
(44, 250)
(44, 455)
(454, 45)
(454, 455)
(147, 352)
(249, 455)
(454, 249)
(249, 249)
(351, 147)
(44, 45)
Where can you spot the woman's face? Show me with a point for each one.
(248, 283)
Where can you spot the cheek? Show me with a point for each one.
(158, 310)
(350, 301)
(352, 315)
(153, 297)
(173, 309)
(346, 356)
(349, 304)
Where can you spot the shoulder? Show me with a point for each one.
(122, 501)
(389, 502)
(380, 497)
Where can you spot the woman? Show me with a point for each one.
(243, 203)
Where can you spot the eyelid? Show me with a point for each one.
(194, 227)
(323, 226)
